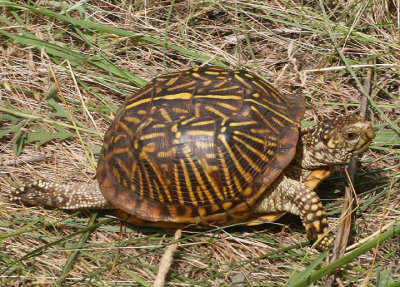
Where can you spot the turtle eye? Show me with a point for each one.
(350, 135)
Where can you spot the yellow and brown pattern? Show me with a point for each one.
(198, 146)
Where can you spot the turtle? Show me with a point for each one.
(209, 147)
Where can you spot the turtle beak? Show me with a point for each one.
(367, 134)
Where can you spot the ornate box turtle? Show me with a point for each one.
(210, 147)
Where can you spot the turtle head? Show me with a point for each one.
(333, 142)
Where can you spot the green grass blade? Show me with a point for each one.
(74, 254)
(328, 269)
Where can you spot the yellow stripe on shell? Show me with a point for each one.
(172, 81)
(199, 192)
(137, 103)
(150, 147)
(250, 137)
(248, 159)
(146, 89)
(117, 138)
(185, 122)
(178, 187)
(200, 133)
(120, 150)
(237, 183)
(220, 83)
(271, 90)
(132, 120)
(270, 109)
(180, 86)
(274, 104)
(203, 123)
(239, 124)
(140, 176)
(159, 193)
(152, 110)
(229, 88)
(226, 173)
(152, 136)
(245, 174)
(214, 185)
(271, 127)
(243, 81)
(122, 165)
(165, 154)
(196, 75)
(127, 129)
(219, 97)
(149, 187)
(178, 135)
(227, 106)
(208, 72)
(144, 157)
(215, 111)
(197, 108)
(165, 115)
(202, 186)
(133, 168)
(277, 121)
(259, 131)
(188, 183)
(174, 128)
(262, 156)
(179, 96)
(180, 110)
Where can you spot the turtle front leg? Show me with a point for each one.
(295, 197)
(313, 216)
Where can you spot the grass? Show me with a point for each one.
(66, 67)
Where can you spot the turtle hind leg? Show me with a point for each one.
(63, 196)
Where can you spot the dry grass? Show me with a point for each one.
(284, 41)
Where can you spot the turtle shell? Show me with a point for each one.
(198, 147)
